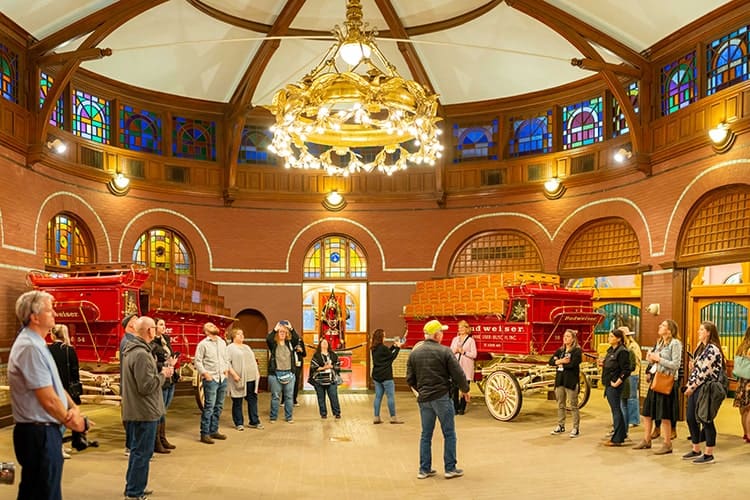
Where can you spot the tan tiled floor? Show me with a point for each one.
(353, 459)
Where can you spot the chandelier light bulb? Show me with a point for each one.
(353, 52)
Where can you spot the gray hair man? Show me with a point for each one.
(430, 370)
(212, 364)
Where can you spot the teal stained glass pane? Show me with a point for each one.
(193, 138)
(45, 85)
(475, 142)
(91, 117)
(140, 130)
(619, 123)
(582, 123)
(678, 84)
(8, 74)
(727, 60)
(530, 135)
(254, 146)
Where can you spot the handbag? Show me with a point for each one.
(662, 383)
(75, 390)
(741, 367)
(339, 380)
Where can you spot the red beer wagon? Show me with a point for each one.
(518, 321)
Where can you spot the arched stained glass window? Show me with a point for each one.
(727, 60)
(140, 130)
(8, 74)
(476, 142)
(69, 242)
(164, 249)
(582, 123)
(57, 117)
(335, 257)
(194, 139)
(678, 84)
(254, 146)
(531, 135)
(90, 117)
(619, 123)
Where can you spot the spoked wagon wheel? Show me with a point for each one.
(199, 396)
(503, 396)
(584, 390)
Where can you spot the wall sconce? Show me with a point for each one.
(334, 201)
(622, 154)
(57, 146)
(654, 309)
(119, 185)
(722, 137)
(554, 188)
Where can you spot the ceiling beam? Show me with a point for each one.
(241, 101)
(622, 69)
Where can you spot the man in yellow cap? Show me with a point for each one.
(429, 371)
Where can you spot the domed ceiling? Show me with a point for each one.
(466, 50)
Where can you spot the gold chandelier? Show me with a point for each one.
(365, 118)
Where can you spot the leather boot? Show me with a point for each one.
(656, 433)
(162, 432)
(158, 446)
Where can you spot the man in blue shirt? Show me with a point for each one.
(40, 405)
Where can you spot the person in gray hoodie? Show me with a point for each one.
(142, 404)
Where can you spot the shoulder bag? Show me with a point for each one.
(741, 367)
(662, 383)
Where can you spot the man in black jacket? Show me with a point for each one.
(429, 371)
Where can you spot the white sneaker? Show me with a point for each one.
(65, 455)
(558, 430)
(454, 473)
(240, 427)
(575, 432)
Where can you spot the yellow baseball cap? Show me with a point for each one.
(434, 326)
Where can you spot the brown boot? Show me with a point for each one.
(163, 436)
(158, 447)
(656, 433)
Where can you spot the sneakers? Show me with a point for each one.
(65, 455)
(377, 420)
(256, 426)
(691, 455)
(240, 427)
(575, 432)
(218, 435)
(396, 420)
(705, 459)
(454, 473)
(205, 438)
(558, 430)
(425, 474)
(290, 421)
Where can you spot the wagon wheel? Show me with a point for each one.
(199, 396)
(584, 391)
(503, 396)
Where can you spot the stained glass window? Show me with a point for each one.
(140, 130)
(475, 142)
(582, 123)
(531, 135)
(68, 242)
(8, 74)
(164, 249)
(194, 139)
(45, 85)
(254, 146)
(619, 123)
(91, 117)
(335, 257)
(678, 84)
(726, 59)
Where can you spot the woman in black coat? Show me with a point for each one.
(324, 371)
(567, 359)
(615, 371)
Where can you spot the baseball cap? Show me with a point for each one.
(625, 330)
(127, 319)
(434, 326)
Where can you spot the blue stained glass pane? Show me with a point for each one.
(531, 135)
(727, 60)
(254, 146)
(193, 138)
(678, 84)
(477, 142)
(140, 130)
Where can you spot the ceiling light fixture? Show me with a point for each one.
(119, 185)
(554, 188)
(57, 145)
(622, 154)
(722, 137)
(334, 201)
(365, 118)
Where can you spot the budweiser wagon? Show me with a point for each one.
(518, 320)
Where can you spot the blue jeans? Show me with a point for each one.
(389, 388)
(630, 407)
(168, 395)
(276, 388)
(143, 436)
(252, 406)
(613, 395)
(214, 393)
(333, 395)
(442, 409)
(39, 452)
